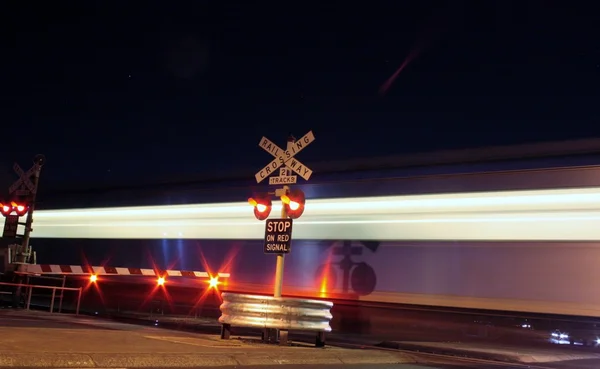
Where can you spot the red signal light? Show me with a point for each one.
(20, 209)
(262, 206)
(294, 202)
(6, 208)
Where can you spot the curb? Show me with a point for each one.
(157, 360)
(507, 358)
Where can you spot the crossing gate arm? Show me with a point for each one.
(115, 271)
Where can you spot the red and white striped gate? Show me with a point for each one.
(115, 271)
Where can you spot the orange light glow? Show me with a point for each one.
(323, 289)
(160, 281)
(292, 204)
(324, 283)
(260, 207)
(93, 278)
(214, 281)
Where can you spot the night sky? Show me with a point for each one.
(176, 88)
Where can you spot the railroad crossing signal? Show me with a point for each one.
(278, 232)
(23, 185)
(285, 157)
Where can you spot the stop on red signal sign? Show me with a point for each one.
(278, 236)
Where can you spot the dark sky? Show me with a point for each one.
(126, 90)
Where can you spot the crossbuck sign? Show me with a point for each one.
(24, 183)
(287, 158)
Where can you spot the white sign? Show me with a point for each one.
(281, 180)
(24, 179)
(285, 177)
(285, 157)
(278, 236)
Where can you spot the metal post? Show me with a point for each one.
(62, 293)
(225, 331)
(283, 337)
(21, 257)
(38, 162)
(279, 275)
(52, 301)
(280, 259)
(29, 297)
(78, 301)
(279, 279)
(320, 340)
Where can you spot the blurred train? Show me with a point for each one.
(527, 251)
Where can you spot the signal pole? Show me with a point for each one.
(26, 187)
(280, 257)
(38, 162)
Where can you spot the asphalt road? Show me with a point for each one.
(431, 327)
(376, 366)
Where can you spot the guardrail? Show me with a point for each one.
(62, 279)
(31, 287)
(275, 314)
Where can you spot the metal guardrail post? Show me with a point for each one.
(62, 293)
(320, 340)
(30, 292)
(78, 301)
(273, 313)
(225, 331)
(283, 337)
(52, 300)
